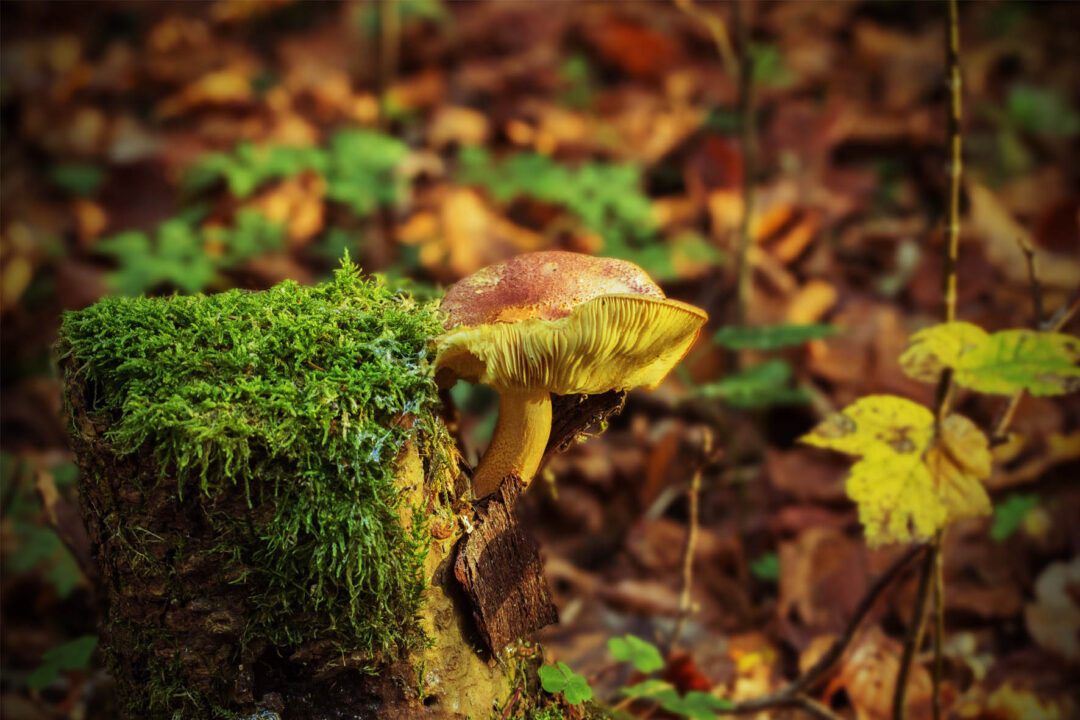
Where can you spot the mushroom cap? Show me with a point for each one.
(565, 323)
(547, 284)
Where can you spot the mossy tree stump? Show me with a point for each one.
(268, 489)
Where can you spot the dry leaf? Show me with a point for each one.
(1054, 618)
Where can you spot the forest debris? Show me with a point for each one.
(868, 675)
(1054, 618)
(1000, 230)
(499, 566)
(823, 575)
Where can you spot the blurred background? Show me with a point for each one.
(193, 147)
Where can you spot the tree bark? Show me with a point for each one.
(179, 606)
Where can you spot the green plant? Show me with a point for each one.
(695, 704)
(559, 678)
(1009, 514)
(183, 256)
(766, 567)
(33, 545)
(605, 198)
(74, 655)
(77, 178)
(767, 383)
(358, 166)
(769, 337)
(641, 654)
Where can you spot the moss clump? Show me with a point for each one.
(297, 400)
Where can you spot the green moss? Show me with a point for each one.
(298, 400)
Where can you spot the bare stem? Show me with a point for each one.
(814, 708)
(690, 545)
(717, 30)
(939, 628)
(952, 226)
(914, 635)
(1033, 278)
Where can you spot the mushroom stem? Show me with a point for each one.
(521, 435)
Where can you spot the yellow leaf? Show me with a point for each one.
(1043, 363)
(896, 499)
(873, 424)
(958, 462)
(908, 484)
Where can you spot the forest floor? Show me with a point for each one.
(433, 139)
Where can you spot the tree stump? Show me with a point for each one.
(269, 492)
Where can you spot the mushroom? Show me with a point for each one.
(555, 322)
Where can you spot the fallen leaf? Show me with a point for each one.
(868, 675)
(1054, 618)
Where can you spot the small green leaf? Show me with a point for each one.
(577, 690)
(630, 648)
(770, 337)
(74, 655)
(762, 385)
(560, 678)
(766, 567)
(769, 68)
(1041, 110)
(77, 178)
(552, 679)
(1008, 515)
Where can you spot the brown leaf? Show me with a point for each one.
(823, 575)
(1054, 618)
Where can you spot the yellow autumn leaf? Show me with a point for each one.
(908, 483)
(1043, 363)
(958, 462)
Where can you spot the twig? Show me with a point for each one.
(389, 40)
(689, 546)
(943, 397)
(715, 25)
(1060, 320)
(952, 227)
(747, 139)
(914, 635)
(791, 694)
(1065, 313)
(511, 703)
(939, 627)
(1033, 276)
(814, 708)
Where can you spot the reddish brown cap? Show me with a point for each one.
(545, 285)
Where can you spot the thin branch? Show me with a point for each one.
(790, 695)
(814, 708)
(914, 635)
(952, 226)
(943, 400)
(939, 627)
(1033, 277)
(1065, 313)
(691, 540)
(717, 30)
(749, 148)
